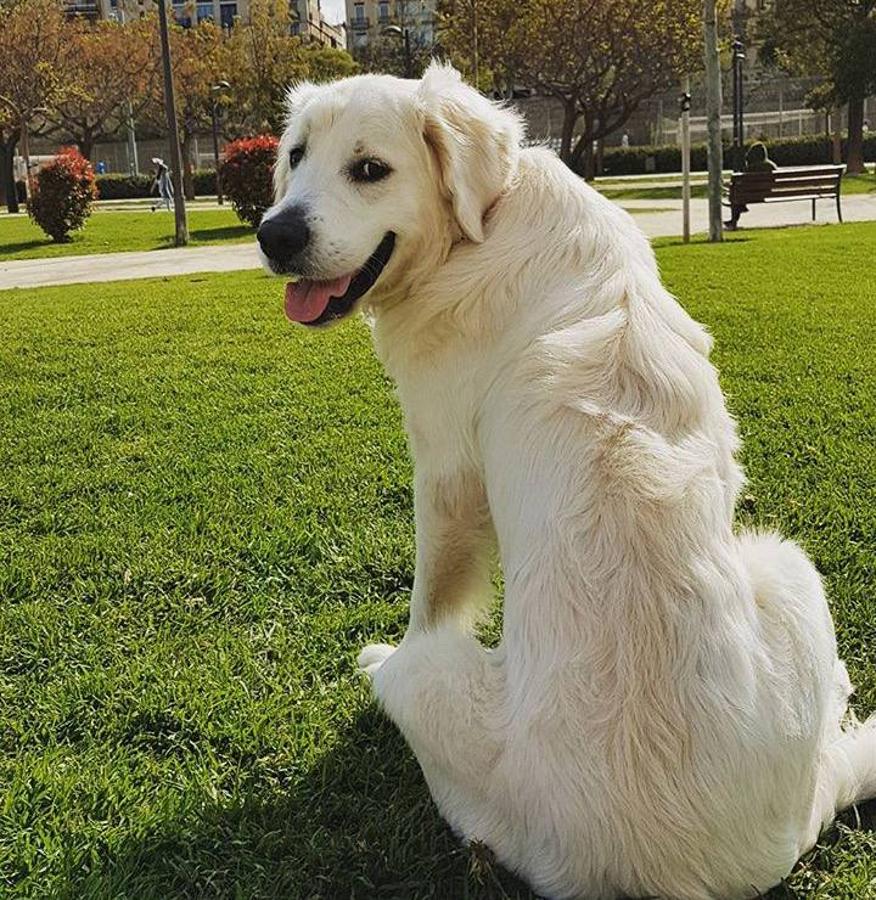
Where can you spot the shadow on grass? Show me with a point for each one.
(221, 233)
(359, 824)
(208, 236)
(703, 238)
(25, 246)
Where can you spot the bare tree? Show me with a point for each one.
(31, 41)
(836, 39)
(600, 58)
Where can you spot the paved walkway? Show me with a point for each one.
(856, 208)
(30, 273)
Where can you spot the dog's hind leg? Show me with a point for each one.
(788, 592)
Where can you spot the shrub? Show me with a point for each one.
(123, 187)
(205, 182)
(132, 187)
(810, 150)
(247, 169)
(63, 193)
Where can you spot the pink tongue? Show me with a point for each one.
(307, 300)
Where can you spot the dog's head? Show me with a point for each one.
(375, 178)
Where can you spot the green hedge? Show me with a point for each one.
(785, 152)
(132, 187)
(123, 187)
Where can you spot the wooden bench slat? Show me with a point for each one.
(785, 191)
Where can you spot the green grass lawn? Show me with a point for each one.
(642, 190)
(205, 512)
(110, 231)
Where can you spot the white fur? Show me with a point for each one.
(664, 713)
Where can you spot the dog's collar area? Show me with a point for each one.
(360, 284)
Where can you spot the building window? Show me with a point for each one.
(383, 12)
(182, 14)
(227, 14)
(205, 11)
(359, 12)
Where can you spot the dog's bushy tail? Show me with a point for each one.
(848, 773)
(854, 754)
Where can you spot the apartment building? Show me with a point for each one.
(366, 19)
(308, 22)
(305, 16)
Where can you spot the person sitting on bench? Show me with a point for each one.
(756, 160)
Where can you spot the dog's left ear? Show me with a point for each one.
(476, 144)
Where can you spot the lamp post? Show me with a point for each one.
(405, 34)
(179, 204)
(684, 108)
(738, 124)
(713, 115)
(217, 90)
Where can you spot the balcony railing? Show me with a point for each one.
(88, 8)
(362, 24)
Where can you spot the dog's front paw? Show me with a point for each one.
(373, 656)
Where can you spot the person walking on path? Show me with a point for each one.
(756, 160)
(162, 184)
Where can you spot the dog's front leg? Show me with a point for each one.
(454, 550)
(454, 553)
(440, 686)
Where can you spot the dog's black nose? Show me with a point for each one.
(284, 235)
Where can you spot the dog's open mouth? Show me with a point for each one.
(317, 302)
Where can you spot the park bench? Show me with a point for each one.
(793, 183)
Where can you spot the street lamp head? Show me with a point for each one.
(220, 87)
(738, 50)
(393, 30)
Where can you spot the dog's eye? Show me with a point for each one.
(295, 155)
(369, 170)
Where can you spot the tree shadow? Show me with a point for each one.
(26, 246)
(702, 238)
(222, 233)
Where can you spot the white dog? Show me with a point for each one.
(665, 714)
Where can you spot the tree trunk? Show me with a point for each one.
(588, 160)
(570, 117)
(713, 117)
(855, 149)
(188, 170)
(86, 145)
(582, 159)
(4, 186)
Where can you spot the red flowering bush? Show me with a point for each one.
(247, 170)
(63, 193)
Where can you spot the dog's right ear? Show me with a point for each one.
(476, 144)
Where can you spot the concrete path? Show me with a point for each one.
(30, 273)
(856, 208)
